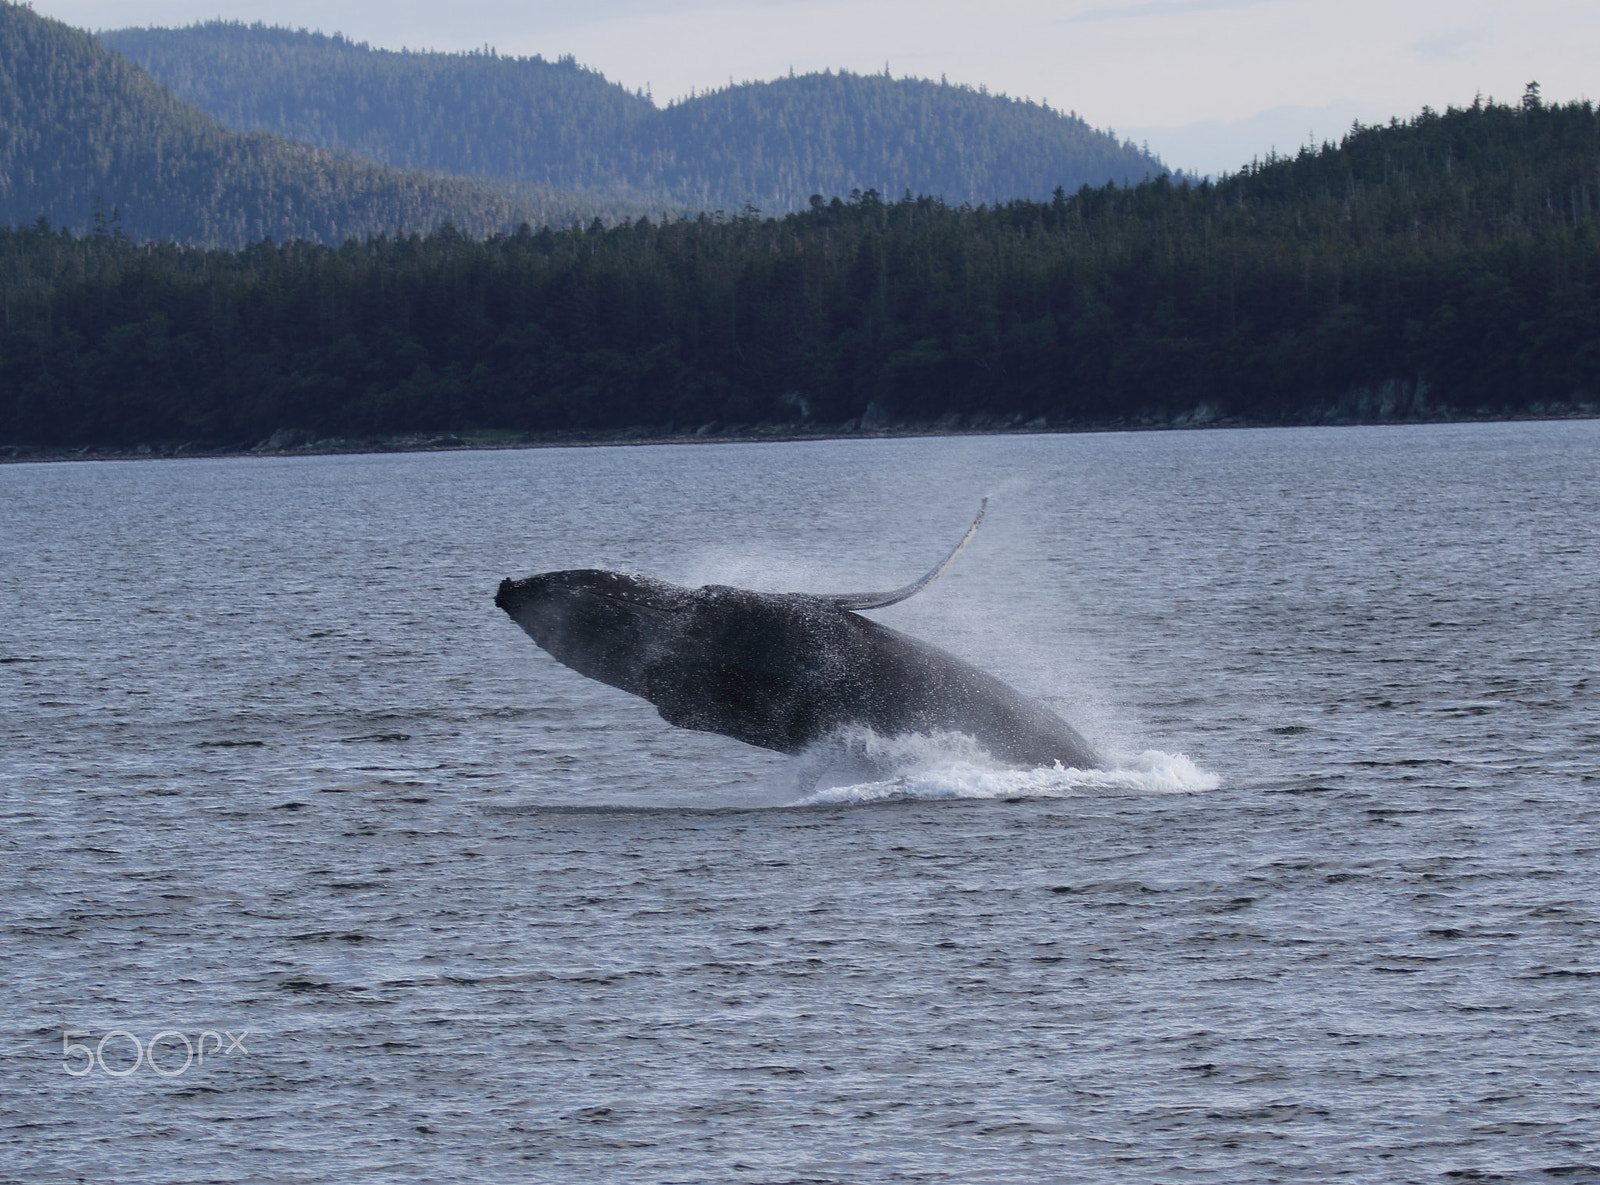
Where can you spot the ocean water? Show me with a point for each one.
(313, 867)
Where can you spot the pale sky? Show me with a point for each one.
(1206, 82)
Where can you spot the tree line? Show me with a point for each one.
(1445, 265)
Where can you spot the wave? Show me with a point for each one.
(859, 766)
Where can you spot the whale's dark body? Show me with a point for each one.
(779, 670)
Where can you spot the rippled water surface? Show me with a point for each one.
(278, 782)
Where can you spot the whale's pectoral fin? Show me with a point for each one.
(882, 599)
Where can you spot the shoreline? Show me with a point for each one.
(293, 443)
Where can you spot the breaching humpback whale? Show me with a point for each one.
(780, 670)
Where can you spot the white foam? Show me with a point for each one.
(858, 766)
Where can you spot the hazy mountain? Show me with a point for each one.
(776, 143)
(558, 124)
(83, 128)
(471, 114)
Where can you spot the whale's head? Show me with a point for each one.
(601, 624)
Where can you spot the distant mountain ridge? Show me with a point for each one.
(508, 120)
(82, 128)
(469, 114)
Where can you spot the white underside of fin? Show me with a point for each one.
(879, 600)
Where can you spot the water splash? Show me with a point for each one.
(858, 766)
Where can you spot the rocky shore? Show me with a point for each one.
(304, 442)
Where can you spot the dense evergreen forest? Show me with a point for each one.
(82, 128)
(1444, 266)
(508, 120)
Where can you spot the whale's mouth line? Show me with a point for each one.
(632, 602)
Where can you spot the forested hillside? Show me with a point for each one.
(474, 114)
(775, 143)
(770, 144)
(82, 129)
(1447, 266)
